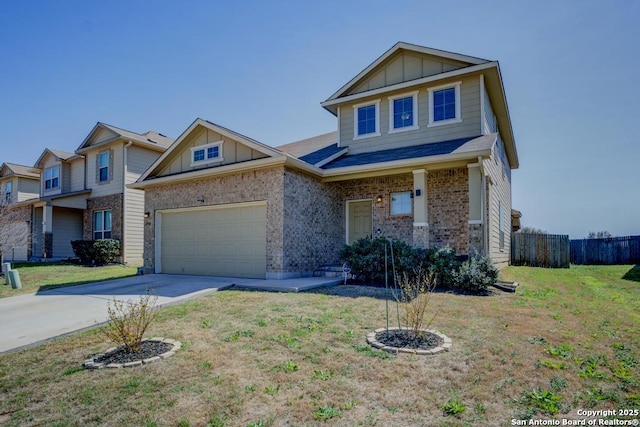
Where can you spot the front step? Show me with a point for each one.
(331, 271)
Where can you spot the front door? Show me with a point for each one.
(360, 223)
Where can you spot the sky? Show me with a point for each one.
(261, 68)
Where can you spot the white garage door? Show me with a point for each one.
(226, 241)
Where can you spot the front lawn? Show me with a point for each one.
(41, 276)
(567, 340)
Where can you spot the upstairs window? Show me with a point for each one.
(104, 160)
(52, 178)
(403, 112)
(444, 105)
(102, 225)
(7, 191)
(208, 153)
(366, 120)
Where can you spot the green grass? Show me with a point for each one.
(568, 339)
(44, 276)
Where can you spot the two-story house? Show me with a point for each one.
(18, 184)
(83, 195)
(423, 152)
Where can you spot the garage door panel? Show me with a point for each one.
(229, 241)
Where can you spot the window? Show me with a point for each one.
(7, 190)
(401, 203)
(444, 105)
(103, 166)
(366, 121)
(52, 178)
(102, 225)
(207, 153)
(403, 112)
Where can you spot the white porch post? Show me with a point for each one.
(420, 209)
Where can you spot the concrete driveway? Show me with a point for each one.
(27, 320)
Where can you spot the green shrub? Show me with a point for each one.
(96, 252)
(475, 274)
(365, 257)
(83, 250)
(441, 262)
(106, 251)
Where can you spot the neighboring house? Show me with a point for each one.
(423, 153)
(18, 183)
(83, 195)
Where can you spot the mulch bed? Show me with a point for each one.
(402, 338)
(148, 349)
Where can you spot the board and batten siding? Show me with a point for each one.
(405, 67)
(116, 184)
(67, 226)
(469, 126)
(232, 152)
(138, 160)
(499, 200)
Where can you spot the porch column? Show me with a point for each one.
(476, 208)
(420, 213)
(47, 231)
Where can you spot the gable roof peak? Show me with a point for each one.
(396, 49)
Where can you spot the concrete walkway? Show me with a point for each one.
(28, 320)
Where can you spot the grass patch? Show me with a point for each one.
(260, 358)
(44, 276)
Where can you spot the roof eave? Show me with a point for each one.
(404, 163)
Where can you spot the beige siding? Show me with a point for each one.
(489, 122)
(116, 184)
(67, 226)
(232, 152)
(469, 127)
(138, 160)
(133, 239)
(101, 134)
(403, 67)
(499, 194)
(76, 171)
(28, 189)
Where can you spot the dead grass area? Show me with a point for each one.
(261, 359)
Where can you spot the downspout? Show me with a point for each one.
(125, 155)
(483, 208)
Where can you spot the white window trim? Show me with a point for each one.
(415, 126)
(44, 179)
(375, 102)
(8, 194)
(108, 167)
(410, 212)
(103, 230)
(458, 117)
(205, 147)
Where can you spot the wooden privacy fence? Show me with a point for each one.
(614, 250)
(540, 250)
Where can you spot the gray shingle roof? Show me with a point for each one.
(323, 153)
(456, 146)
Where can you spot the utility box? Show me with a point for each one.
(6, 266)
(14, 279)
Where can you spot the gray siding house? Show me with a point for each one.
(423, 152)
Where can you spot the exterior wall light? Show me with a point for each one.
(379, 199)
(146, 214)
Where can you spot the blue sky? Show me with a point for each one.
(570, 69)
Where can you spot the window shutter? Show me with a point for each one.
(98, 167)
